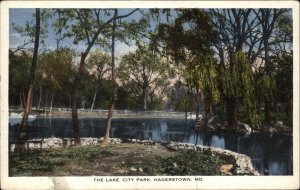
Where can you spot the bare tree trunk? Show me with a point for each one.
(94, 99)
(40, 98)
(75, 120)
(46, 102)
(51, 103)
(197, 99)
(113, 97)
(268, 113)
(21, 140)
(22, 99)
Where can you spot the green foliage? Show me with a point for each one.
(188, 163)
(180, 98)
(283, 77)
(87, 90)
(19, 69)
(238, 82)
(284, 83)
(95, 79)
(98, 64)
(56, 68)
(201, 74)
(47, 161)
(125, 100)
(188, 40)
(285, 26)
(191, 32)
(144, 72)
(265, 87)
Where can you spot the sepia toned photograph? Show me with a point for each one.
(150, 95)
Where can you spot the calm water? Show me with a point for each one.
(273, 154)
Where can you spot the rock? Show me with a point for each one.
(175, 165)
(280, 122)
(245, 128)
(133, 169)
(51, 143)
(226, 168)
(181, 146)
(120, 171)
(145, 142)
(141, 169)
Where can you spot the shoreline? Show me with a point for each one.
(238, 164)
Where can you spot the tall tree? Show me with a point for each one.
(52, 79)
(189, 41)
(235, 27)
(142, 72)
(27, 104)
(113, 78)
(91, 26)
(97, 67)
(267, 19)
(201, 74)
(19, 71)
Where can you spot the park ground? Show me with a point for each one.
(114, 160)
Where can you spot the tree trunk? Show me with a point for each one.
(208, 108)
(199, 101)
(268, 113)
(232, 112)
(21, 140)
(144, 99)
(113, 97)
(22, 99)
(268, 103)
(94, 99)
(51, 103)
(267, 27)
(75, 121)
(40, 98)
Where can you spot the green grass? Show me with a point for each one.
(187, 163)
(46, 161)
(93, 160)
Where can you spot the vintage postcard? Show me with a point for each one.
(149, 95)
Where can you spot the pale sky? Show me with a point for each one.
(21, 16)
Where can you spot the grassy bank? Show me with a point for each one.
(120, 159)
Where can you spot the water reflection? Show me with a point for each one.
(270, 155)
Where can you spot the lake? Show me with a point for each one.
(271, 155)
